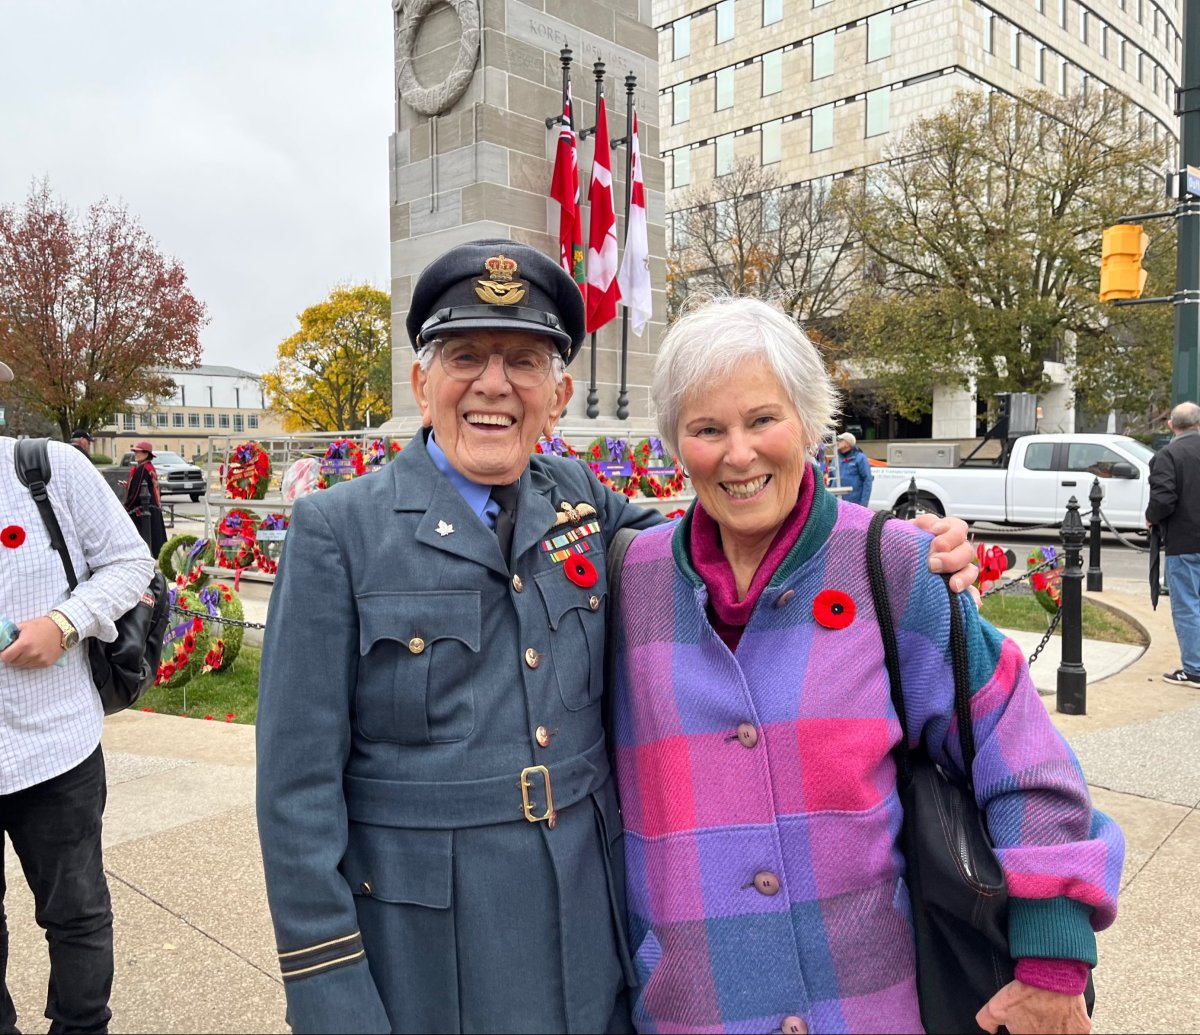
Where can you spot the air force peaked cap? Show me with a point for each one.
(498, 285)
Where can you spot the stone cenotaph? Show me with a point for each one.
(479, 84)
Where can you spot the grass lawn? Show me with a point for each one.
(1010, 610)
(218, 694)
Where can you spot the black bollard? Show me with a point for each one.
(1095, 577)
(1071, 698)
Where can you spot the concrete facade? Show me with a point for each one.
(479, 164)
(834, 82)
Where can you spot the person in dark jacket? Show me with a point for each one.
(855, 469)
(142, 500)
(1175, 509)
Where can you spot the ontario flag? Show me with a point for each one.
(634, 278)
(602, 292)
(564, 188)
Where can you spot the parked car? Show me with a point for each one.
(176, 477)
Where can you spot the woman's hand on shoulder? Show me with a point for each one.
(1022, 1008)
(950, 553)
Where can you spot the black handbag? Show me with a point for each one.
(126, 668)
(955, 882)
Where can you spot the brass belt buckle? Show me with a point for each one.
(528, 807)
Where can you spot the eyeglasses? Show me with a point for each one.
(525, 366)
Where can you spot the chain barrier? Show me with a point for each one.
(1014, 528)
(1046, 639)
(1126, 542)
(1001, 587)
(216, 618)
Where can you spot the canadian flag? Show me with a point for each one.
(602, 292)
(634, 277)
(564, 188)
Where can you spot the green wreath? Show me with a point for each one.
(183, 555)
(186, 642)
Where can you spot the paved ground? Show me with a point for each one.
(193, 942)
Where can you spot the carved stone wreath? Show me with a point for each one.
(433, 100)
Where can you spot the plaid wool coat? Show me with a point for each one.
(759, 791)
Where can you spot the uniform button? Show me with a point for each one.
(594, 602)
(785, 598)
(532, 658)
(542, 736)
(793, 1025)
(766, 883)
(518, 585)
(747, 734)
(416, 645)
(365, 888)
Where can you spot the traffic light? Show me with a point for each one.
(1121, 251)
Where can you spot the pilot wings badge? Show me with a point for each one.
(573, 514)
(500, 285)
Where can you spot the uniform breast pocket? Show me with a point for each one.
(576, 616)
(420, 661)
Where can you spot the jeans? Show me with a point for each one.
(1183, 584)
(55, 830)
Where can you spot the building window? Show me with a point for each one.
(724, 21)
(770, 210)
(772, 142)
(772, 72)
(253, 421)
(193, 420)
(878, 111)
(1104, 41)
(822, 55)
(1121, 53)
(879, 36)
(772, 11)
(681, 39)
(724, 89)
(724, 154)
(681, 103)
(239, 422)
(1062, 14)
(1141, 63)
(1040, 5)
(210, 420)
(145, 420)
(1083, 25)
(160, 419)
(820, 3)
(1062, 76)
(822, 127)
(1014, 46)
(682, 175)
(177, 420)
(223, 421)
(129, 422)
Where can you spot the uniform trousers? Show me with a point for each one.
(55, 827)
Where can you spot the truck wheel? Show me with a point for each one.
(195, 496)
(908, 506)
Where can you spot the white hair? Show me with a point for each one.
(707, 344)
(428, 349)
(1185, 416)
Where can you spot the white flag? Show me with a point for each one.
(634, 276)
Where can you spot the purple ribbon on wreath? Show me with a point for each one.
(1049, 553)
(210, 597)
(656, 446)
(616, 447)
(198, 547)
(556, 445)
(273, 523)
(233, 522)
(244, 454)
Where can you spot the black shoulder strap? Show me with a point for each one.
(891, 653)
(614, 562)
(32, 461)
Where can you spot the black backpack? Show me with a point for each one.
(126, 668)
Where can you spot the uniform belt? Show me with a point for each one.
(447, 805)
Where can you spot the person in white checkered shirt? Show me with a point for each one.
(52, 786)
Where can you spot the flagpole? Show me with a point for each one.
(623, 395)
(593, 396)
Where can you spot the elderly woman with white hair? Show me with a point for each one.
(754, 731)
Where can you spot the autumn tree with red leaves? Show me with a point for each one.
(89, 310)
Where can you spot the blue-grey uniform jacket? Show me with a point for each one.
(410, 685)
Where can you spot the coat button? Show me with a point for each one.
(365, 888)
(747, 735)
(766, 883)
(542, 736)
(785, 598)
(532, 657)
(517, 584)
(594, 602)
(416, 645)
(793, 1025)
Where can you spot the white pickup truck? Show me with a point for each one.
(1043, 473)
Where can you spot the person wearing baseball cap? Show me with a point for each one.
(854, 469)
(81, 439)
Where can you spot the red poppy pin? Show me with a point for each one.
(581, 571)
(12, 536)
(833, 609)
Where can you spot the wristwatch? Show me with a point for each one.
(70, 635)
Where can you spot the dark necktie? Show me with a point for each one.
(506, 496)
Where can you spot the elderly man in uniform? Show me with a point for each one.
(439, 828)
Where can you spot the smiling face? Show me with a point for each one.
(742, 443)
(487, 427)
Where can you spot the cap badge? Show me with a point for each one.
(500, 285)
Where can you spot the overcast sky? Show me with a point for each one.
(249, 137)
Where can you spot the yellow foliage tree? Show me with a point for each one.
(336, 370)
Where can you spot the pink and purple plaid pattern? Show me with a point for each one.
(808, 799)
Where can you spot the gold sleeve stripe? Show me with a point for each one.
(318, 946)
(339, 961)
